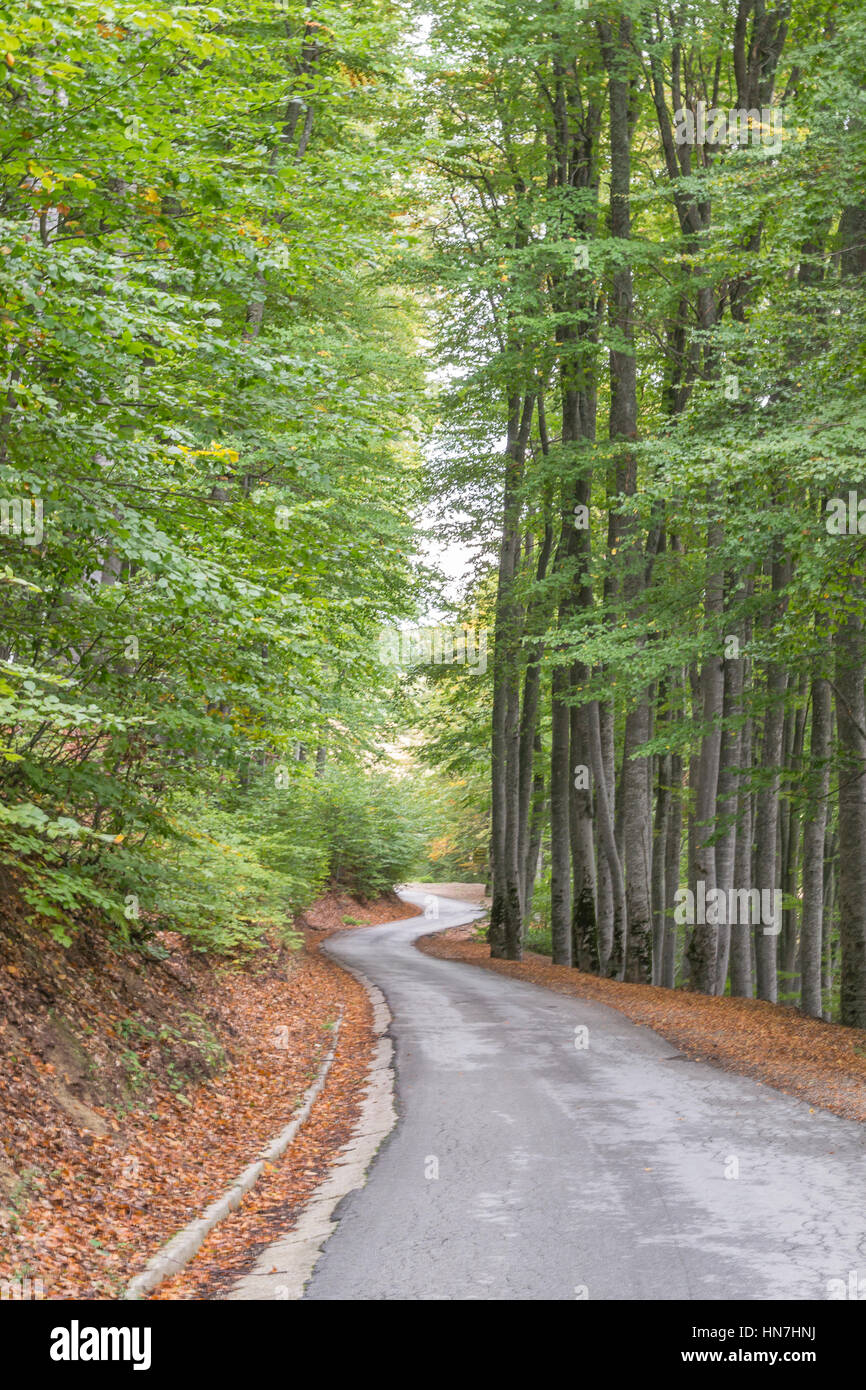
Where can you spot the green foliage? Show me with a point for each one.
(540, 939)
(213, 401)
(373, 829)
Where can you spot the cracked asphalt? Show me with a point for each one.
(524, 1166)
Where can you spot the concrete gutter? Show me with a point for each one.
(284, 1268)
(178, 1252)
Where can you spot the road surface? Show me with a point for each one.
(525, 1165)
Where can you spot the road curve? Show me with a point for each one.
(523, 1166)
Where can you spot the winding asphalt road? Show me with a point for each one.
(524, 1166)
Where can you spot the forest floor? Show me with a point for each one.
(821, 1063)
(134, 1090)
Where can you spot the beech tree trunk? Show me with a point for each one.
(729, 777)
(673, 854)
(703, 945)
(605, 907)
(604, 822)
(767, 868)
(560, 827)
(659, 880)
(814, 831)
(584, 935)
(506, 926)
(529, 722)
(850, 675)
